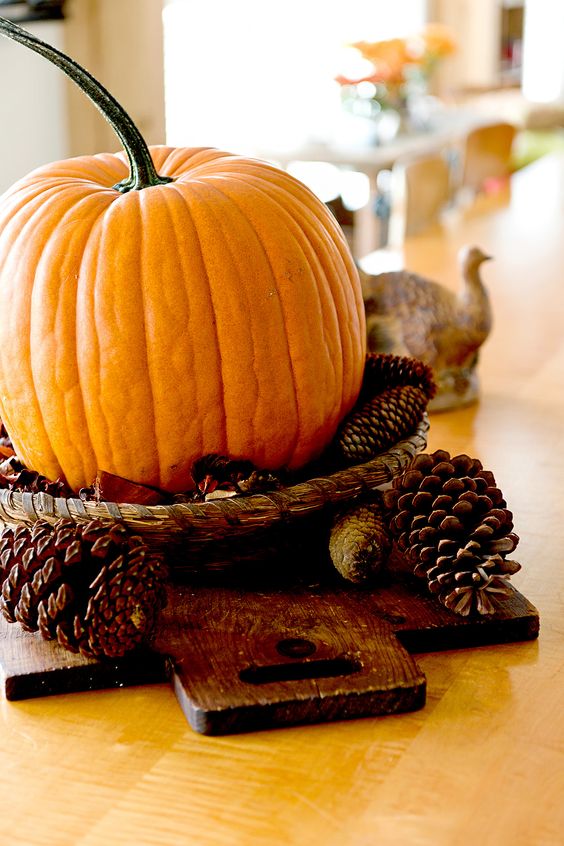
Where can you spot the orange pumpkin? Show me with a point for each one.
(205, 303)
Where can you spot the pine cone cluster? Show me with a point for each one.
(451, 522)
(395, 393)
(94, 588)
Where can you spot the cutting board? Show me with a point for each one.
(243, 659)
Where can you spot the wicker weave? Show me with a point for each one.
(194, 525)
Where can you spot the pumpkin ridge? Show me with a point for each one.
(38, 197)
(305, 235)
(185, 274)
(181, 166)
(233, 199)
(115, 343)
(51, 466)
(342, 293)
(195, 411)
(63, 420)
(241, 452)
(322, 278)
(106, 162)
(82, 281)
(337, 295)
(311, 261)
(151, 411)
(286, 183)
(69, 173)
(299, 237)
(241, 289)
(176, 187)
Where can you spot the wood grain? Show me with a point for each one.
(33, 667)
(246, 660)
(249, 657)
(483, 762)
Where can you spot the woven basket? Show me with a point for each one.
(196, 528)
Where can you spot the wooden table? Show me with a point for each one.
(483, 762)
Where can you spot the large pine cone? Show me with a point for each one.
(451, 521)
(395, 393)
(94, 588)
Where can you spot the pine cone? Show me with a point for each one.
(394, 395)
(359, 542)
(94, 588)
(451, 522)
(383, 371)
(381, 422)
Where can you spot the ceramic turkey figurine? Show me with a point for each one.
(407, 314)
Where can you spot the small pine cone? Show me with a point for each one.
(393, 398)
(95, 588)
(381, 422)
(383, 371)
(359, 542)
(451, 522)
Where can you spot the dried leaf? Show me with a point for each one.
(116, 489)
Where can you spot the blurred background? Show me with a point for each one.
(338, 93)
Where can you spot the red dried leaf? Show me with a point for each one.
(116, 489)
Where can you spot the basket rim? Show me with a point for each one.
(220, 517)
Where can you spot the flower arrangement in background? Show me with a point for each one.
(401, 70)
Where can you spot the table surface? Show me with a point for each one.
(482, 762)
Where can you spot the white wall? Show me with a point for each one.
(120, 43)
(33, 114)
(543, 56)
(476, 26)
(44, 117)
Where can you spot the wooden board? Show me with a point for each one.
(31, 667)
(246, 660)
(243, 659)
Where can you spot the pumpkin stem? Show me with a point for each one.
(142, 170)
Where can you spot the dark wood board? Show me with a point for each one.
(245, 660)
(242, 659)
(32, 667)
